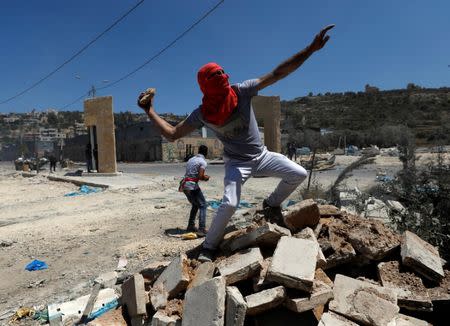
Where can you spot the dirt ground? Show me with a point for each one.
(84, 236)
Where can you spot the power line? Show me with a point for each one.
(192, 26)
(74, 55)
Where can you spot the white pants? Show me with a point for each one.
(268, 164)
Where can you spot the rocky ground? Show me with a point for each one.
(84, 236)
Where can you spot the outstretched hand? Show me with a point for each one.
(321, 39)
(147, 103)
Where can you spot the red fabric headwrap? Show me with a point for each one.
(219, 98)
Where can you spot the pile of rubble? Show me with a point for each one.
(323, 267)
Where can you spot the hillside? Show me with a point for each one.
(425, 111)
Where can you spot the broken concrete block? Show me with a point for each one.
(204, 305)
(202, 273)
(242, 265)
(63, 312)
(363, 302)
(236, 307)
(308, 234)
(421, 257)
(148, 95)
(265, 236)
(302, 214)
(396, 206)
(372, 239)
(403, 320)
(294, 263)
(174, 279)
(133, 296)
(112, 317)
(342, 252)
(329, 210)
(107, 280)
(259, 281)
(152, 271)
(441, 293)
(411, 293)
(376, 209)
(332, 319)
(322, 292)
(160, 318)
(265, 300)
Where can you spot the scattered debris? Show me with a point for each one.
(84, 190)
(36, 265)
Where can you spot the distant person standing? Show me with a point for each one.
(53, 161)
(88, 155)
(195, 171)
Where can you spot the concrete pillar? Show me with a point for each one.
(98, 112)
(268, 109)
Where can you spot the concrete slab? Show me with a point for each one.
(441, 293)
(332, 319)
(411, 293)
(240, 266)
(265, 236)
(259, 281)
(107, 280)
(134, 296)
(294, 263)
(160, 318)
(74, 309)
(174, 279)
(372, 239)
(329, 210)
(153, 270)
(422, 257)
(403, 320)
(202, 273)
(322, 292)
(265, 300)
(236, 307)
(308, 234)
(363, 302)
(204, 305)
(300, 215)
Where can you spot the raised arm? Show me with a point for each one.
(171, 133)
(296, 60)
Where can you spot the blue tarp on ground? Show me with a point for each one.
(36, 265)
(84, 190)
(214, 204)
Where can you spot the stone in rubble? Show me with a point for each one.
(294, 263)
(372, 239)
(308, 234)
(174, 279)
(265, 300)
(303, 214)
(134, 296)
(240, 266)
(329, 210)
(322, 292)
(259, 281)
(441, 293)
(160, 318)
(236, 307)
(411, 293)
(396, 206)
(332, 319)
(403, 320)
(152, 271)
(264, 236)
(107, 280)
(202, 273)
(342, 251)
(204, 305)
(422, 257)
(363, 302)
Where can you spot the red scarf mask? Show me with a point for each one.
(219, 98)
